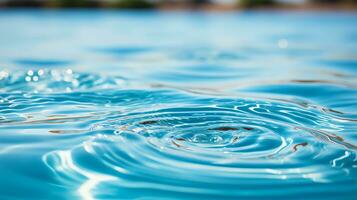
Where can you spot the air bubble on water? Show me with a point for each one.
(200, 138)
(216, 139)
(30, 72)
(40, 72)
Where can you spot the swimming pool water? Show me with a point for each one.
(178, 105)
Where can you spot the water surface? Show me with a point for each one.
(177, 105)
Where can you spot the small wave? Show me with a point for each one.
(204, 147)
(55, 80)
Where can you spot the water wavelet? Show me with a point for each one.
(56, 81)
(35, 63)
(223, 144)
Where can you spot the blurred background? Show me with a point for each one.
(182, 4)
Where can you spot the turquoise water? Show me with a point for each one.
(178, 105)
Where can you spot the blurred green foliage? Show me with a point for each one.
(132, 4)
(197, 2)
(256, 3)
(72, 3)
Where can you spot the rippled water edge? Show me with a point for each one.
(79, 135)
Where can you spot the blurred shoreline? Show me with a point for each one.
(96, 4)
(307, 7)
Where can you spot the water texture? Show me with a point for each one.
(178, 105)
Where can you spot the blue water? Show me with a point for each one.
(178, 105)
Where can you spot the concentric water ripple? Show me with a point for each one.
(164, 143)
(167, 143)
(245, 146)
